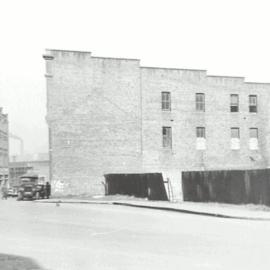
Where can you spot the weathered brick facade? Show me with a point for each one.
(4, 147)
(105, 116)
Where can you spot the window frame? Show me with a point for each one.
(167, 137)
(166, 101)
(253, 107)
(238, 135)
(200, 102)
(234, 105)
(257, 133)
(200, 132)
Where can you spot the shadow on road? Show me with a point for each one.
(13, 262)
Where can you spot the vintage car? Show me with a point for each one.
(30, 188)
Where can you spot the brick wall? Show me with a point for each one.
(217, 120)
(105, 116)
(94, 118)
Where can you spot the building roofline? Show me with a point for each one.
(38, 161)
(228, 77)
(60, 50)
(50, 57)
(116, 58)
(180, 69)
(18, 164)
(87, 52)
(27, 162)
(267, 83)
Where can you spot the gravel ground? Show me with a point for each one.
(109, 237)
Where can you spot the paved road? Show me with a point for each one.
(116, 237)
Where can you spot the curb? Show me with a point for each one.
(179, 210)
(190, 211)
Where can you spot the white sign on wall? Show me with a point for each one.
(253, 144)
(201, 144)
(235, 143)
(58, 186)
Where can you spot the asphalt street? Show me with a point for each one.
(77, 236)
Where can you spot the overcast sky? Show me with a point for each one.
(226, 37)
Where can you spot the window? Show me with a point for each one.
(200, 132)
(235, 133)
(253, 103)
(201, 141)
(200, 102)
(235, 138)
(253, 139)
(167, 137)
(166, 101)
(253, 133)
(234, 103)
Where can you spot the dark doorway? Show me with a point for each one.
(147, 185)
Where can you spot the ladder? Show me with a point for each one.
(169, 189)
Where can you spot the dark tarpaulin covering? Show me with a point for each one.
(231, 186)
(147, 185)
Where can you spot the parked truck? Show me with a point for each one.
(31, 188)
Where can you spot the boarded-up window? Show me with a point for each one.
(235, 133)
(253, 139)
(253, 133)
(166, 101)
(200, 141)
(200, 102)
(234, 103)
(235, 138)
(253, 104)
(167, 137)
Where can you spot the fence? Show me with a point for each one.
(148, 185)
(234, 186)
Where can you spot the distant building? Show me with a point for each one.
(4, 147)
(29, 157)
(38, 164)
(17, 169)
(111, 115)
(41, 167)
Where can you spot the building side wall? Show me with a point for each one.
(217, 120)
(94, 120)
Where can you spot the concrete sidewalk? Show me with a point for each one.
(248, 212)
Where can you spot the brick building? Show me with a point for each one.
(112, 115)
(4, 147)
